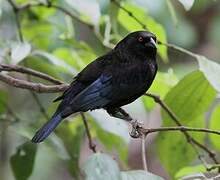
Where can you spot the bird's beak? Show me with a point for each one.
(153, 42)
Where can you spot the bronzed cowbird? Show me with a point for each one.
(109, 82)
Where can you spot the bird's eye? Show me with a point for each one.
(140, 39)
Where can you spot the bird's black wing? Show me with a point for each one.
(115, 87)
(85, 78)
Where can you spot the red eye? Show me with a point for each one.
(140, 39)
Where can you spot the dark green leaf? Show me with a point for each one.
(3, 100)
(22, 162)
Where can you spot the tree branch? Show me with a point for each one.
(36, 87)
(92, 145)
(147, 131)
(20, 69)
(143, 152)
(189, 138)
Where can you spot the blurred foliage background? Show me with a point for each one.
(59, 38)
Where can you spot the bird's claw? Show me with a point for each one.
(135, 129)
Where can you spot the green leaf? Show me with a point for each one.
(70, 132)
(101, 166)
(131, 25)
(116, 126)
(189, 100)
(190, 170)
(3, 100)
(0, 11)
(22, 162)
(40, 64)
(19, 52)
(69, 57)
(214, 124)
(139, 175)
(173, 149)
(191, 97)
(161, 85)
(187, 4)
(92, 13)
(39, 33)
(172, 12)
(56, 61)
(112, 142)
(211, 71)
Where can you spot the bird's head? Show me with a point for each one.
(141, 43)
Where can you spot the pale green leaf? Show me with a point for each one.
(211, 71)
(101, 166)
(214, 124)
(0, 11)
(116, 126)
(111, 141)
(187, 4)
(139, 175)
(19, 52)
(89, 10)
(132, 25)
(172, 12)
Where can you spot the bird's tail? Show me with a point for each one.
(45, 131)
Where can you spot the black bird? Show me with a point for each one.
(111, 81)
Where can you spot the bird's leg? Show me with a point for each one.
(119, 113)
(122, 114)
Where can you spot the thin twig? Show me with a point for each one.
(147, 131)
(92, 146)
(173, 46)
(130, 14)
(143, 152)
